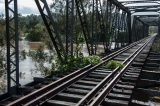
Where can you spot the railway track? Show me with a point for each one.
(147, 91)
(93, 85)
(119, 91)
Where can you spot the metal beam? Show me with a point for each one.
(147, 15)
(114, 26)
(159, 26)
(119, 5)
(101, 27)
(142, 6)
(51, 28)
(133, 28)
(149, 19)
(69, 27)
(12, 39)
(137, 1)
(146, 10)
(141, 21)
(85, 28)
(129, 27)
(94, 24)
(108, 24)
(140, 2)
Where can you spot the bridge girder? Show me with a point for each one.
(51, 28)
(139, 29)
(138, 1)
(69, 27)
(12, 39)
(144, 7)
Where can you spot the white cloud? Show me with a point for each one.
(2, 5)
(24, 6)
(29, 6)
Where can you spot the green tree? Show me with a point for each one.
(2, 30)
(31, 21)
(37, 33)
(2, 42)
(22, 25)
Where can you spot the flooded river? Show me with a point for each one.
(27, 66)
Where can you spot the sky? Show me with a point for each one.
(25, 7)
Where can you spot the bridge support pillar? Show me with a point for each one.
(12, 39)
(159, 26)
(129, 27)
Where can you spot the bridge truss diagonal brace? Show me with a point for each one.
(84, 24)
(12, 39)
(129, 27)
(140, 29)
(119, 4)
(69, 27)
(101, 14)
(98, 23)
(159, 26)
(51, 28)
(96, 20)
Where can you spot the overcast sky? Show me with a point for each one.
(24, 6)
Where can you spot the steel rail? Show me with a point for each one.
(48, 95)
(42, 94)
(87, 99)
(97, 100)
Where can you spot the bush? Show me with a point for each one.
(156, 46)
(73, 63)
(58, 68)
(93, 59)
(36, 33)
(114, 64)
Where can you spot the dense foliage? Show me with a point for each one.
(113, 64)
(37, 33)
(156, 45)
(57, 67)
(2, 43)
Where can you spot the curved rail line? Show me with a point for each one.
(47, 92)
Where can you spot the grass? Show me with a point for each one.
(114, 64)
(156, 46)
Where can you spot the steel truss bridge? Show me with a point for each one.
(108, 20)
